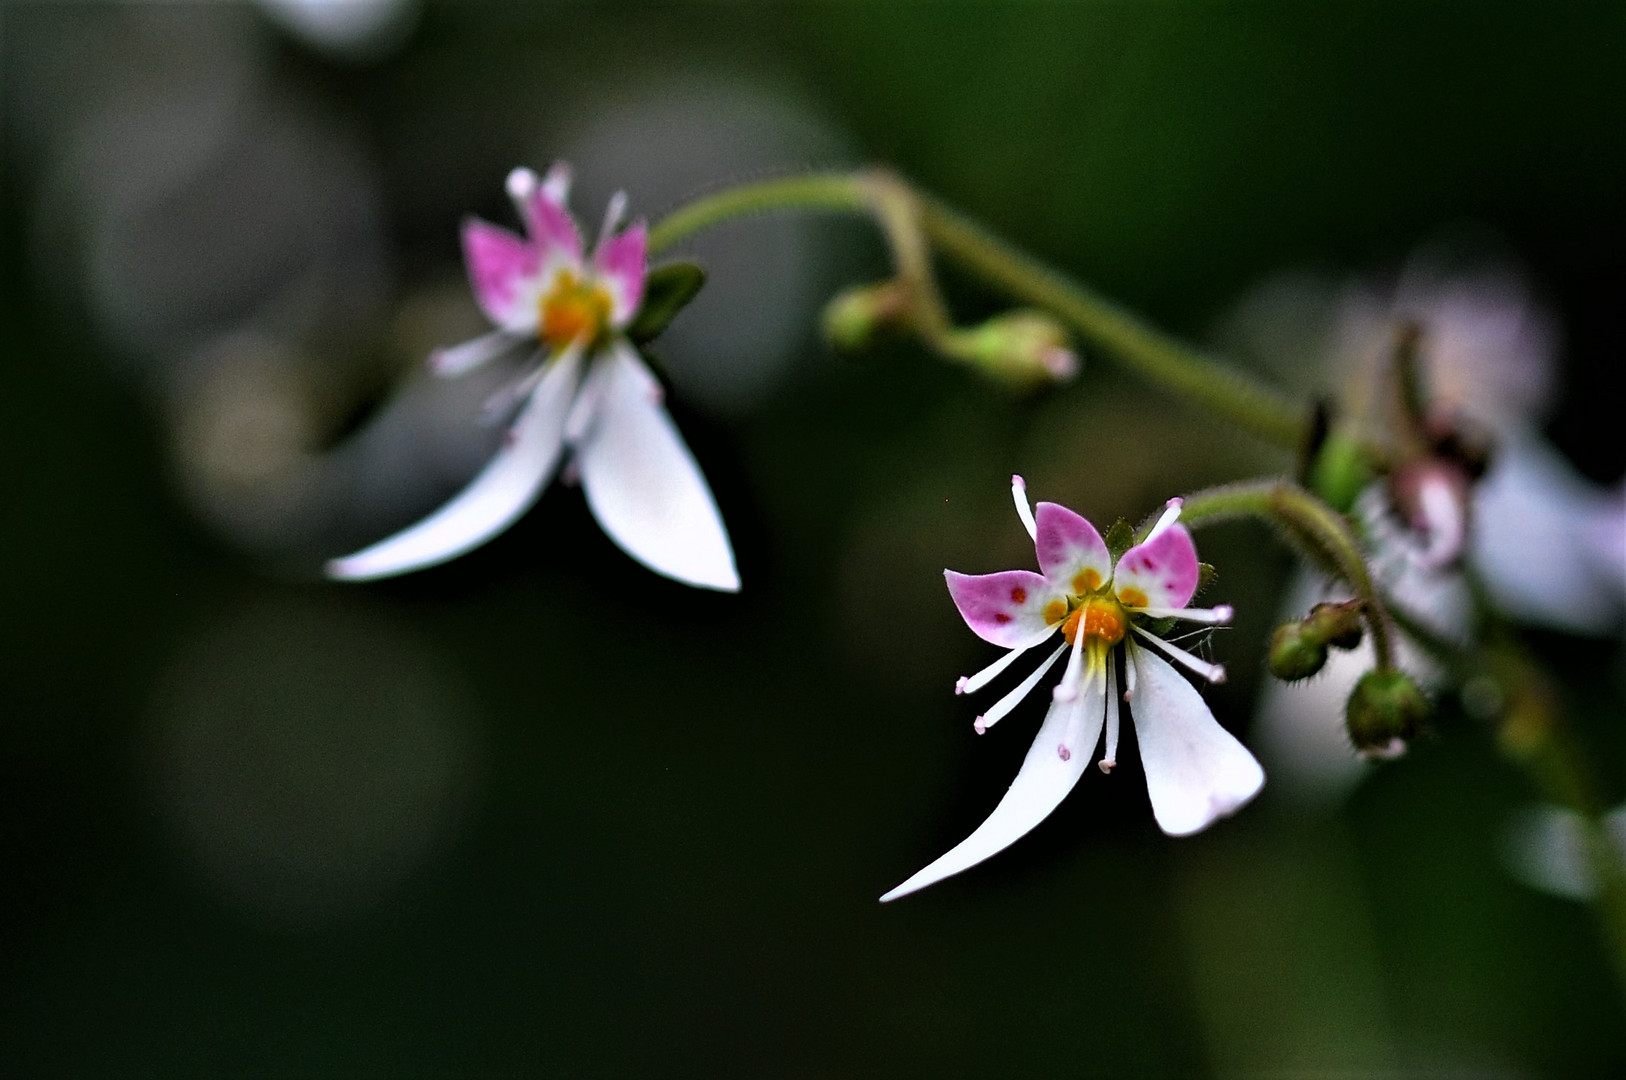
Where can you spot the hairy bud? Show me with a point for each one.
(1294, 655)
(1338, 625)
(1386, 710)
(1022, 348)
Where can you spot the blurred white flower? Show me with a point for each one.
(588, 391)
(1546, 848)
(1549, 546)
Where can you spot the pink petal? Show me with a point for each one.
(504, 271)
(550, 224)
(1069, 548)
(1006, 608)
(621, 263)
(1160, 573)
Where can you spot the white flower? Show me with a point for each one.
(1196, 771)
(589, 393)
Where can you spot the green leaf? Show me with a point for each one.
(1120, 538)
(667, 291)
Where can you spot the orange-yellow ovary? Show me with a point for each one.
(573, 310)
(1102, 619)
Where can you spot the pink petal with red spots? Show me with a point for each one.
(1163, 570)
(621, 263)
(504, 271)
(1006, 608)
(1068, 547)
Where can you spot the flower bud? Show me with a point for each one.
(1338, 625)
(1022, 348)
(1294, 655)
(1385, 711)
(854, 318)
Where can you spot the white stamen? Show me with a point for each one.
(521, 185)
(1069, 736)
(1004, 705)
(557, 184)
(1067, 689)
(1110, 759)
(585, 407)
(1170, 516)
(970, 684)
(457, 359)
(1214, 673)
(1214, 616)
(500, 405)
(1129, 681)
(613, 213)
(1019, 492)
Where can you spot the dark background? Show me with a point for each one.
(541, 812)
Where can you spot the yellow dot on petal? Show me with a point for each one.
(1132, 597)
(1086, 581)
(1054, 612)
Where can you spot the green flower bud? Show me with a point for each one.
(1293, 654)
(854, 318)
(1385, 711)
(1338, 625)
(1022, 348)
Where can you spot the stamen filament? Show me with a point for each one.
(1004, 705)
(1214, 616)
(1214, 673)
(1110, 759)
(457, 359)
(1019, 492)
(1170, 516)
(970, 684)
(1067, 689)
(613, 214)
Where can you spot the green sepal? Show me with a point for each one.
(1160, 627)
(1206, 576)
(667, 291)
(1120, 538)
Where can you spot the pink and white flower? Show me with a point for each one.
(1196, 771)
(588, 394)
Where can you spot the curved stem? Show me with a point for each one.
(1134, 344)
(1315, 526)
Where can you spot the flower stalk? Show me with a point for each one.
(906, 217)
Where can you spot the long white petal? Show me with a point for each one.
(506, 488)
(643, 485)
(1043, 782)
(1196, 771)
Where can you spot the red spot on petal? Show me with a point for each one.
(1019, 595)
(1001, 618)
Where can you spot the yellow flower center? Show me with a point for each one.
(1101, 617)
(574, 309)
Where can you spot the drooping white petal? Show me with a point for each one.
(1042, 783)
(1196, 771)
(498, 496)
(643, 485)
(1004, 705)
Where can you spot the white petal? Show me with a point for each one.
(1196, 771)
(643, 485)
(1546, 848)
(499, 495)
(1043, 782)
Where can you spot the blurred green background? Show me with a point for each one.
(541, 812)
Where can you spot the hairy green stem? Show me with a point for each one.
(1134, 344)
(1315, 526)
